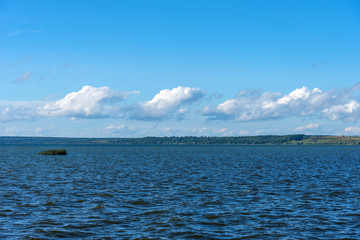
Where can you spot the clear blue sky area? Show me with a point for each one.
(164, 68)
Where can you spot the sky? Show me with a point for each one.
(179, 68)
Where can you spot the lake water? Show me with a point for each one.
(181, 192)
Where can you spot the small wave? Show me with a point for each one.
(98, 207)
(106, 195)
(352, 215)
(216, 202)
(49, 203)
(212, 216)
(215, 223)
(59, 233)
(154, 212)
(138, 202)
(188, 234)
(84, 226)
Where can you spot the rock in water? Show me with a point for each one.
(54, 152)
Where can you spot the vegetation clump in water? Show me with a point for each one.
(54, 152)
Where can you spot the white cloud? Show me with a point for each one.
(349, 111)
(113, 127)
(87, 102)
(180, 104)
(211, 131)
(166, 102)
(252, 105)
(352, 130)
(310, 126)
(12, 113)
(121, 130)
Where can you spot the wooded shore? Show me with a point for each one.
(295, 139)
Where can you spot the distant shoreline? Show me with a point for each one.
(294, 139)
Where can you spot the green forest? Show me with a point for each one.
(295, 139)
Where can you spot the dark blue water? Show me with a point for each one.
(182, 192)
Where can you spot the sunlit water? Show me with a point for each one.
(181, 192)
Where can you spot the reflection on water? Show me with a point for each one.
(182, 192)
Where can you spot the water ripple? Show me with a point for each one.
(188, 192)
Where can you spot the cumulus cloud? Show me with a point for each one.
(177, 103)
(166, 102)
(253, 105)
(87, 102)
(310, 126)
(99, 102)
(348, 111)
(12, 113)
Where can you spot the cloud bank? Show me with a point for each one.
(11, 113)
(302, 102)
(186, 103)
(103, 102)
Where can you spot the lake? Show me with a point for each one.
(180, 192)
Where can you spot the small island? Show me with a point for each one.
(54, 152)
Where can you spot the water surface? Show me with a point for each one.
(180, 192)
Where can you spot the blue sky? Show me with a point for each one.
(179, 68)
